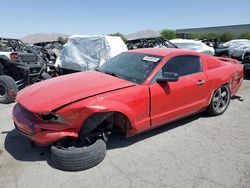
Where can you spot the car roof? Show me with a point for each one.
(163, 51)
(185, 41)
(145, 38)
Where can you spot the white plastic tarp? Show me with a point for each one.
(82, 53)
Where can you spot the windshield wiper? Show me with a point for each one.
(109, 73)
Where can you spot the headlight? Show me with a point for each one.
(54, 118)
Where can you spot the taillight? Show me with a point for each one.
(13, 56)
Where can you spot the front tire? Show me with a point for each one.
(220, 101)
(78, 158)
(8, 89)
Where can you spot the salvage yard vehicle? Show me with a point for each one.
(156, 42)
(49, 51)
(233, 48)
(83, 53)
(238, 49)
(194, 45)
(135, 91)
(20, 66)
(246, 63)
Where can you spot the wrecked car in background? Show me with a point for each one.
(194, 45)
(246, 62)
(49, 51)
(20, 66)
(235, 48)
(238, 49)
(135, 91)
(82, 53)
(155, 42)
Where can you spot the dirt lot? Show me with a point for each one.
(199, 151)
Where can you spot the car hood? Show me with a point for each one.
(57, 92)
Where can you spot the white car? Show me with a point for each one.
(194, 45)
(237, 47)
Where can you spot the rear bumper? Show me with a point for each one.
(27, 125)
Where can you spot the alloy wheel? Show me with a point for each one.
(221, 99)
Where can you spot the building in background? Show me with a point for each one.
(235, 29)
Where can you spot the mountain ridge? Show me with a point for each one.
(48, 37)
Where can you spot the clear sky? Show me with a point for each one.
(19, 18)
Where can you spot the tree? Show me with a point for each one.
(245, 35)
(119, 35)
(62, 40)
(194, 36)
(168, 34)
(209, 36)
(226, 36)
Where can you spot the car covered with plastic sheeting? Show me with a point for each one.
(82, 53)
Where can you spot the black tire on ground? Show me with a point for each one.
(76, 159)
(220, 101)
(8, 89)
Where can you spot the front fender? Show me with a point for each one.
(75, 114)
(111, 106)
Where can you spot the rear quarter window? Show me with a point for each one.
(213, 63)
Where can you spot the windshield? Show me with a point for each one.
(134, 67)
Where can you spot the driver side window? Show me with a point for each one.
(182, 65)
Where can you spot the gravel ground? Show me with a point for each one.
(199, 151)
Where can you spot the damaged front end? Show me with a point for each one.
(44, 129)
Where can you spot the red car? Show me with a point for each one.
(136, 91)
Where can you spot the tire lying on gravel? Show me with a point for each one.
(8, 89)
(78, 158)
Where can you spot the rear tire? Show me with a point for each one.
(8, 89)
(220, 101)
(78, 158)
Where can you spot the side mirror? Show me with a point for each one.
(168, 77)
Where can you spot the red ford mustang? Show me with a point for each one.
(136, 91)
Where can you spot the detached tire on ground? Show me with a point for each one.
(76, 159)
(8, 89)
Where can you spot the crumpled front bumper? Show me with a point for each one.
(28, 124)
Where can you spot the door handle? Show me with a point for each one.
(200, 82)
